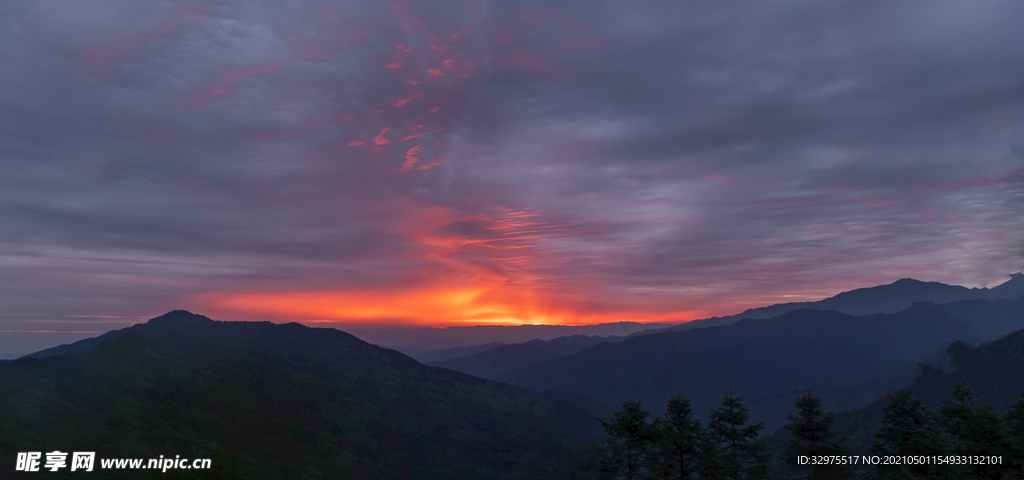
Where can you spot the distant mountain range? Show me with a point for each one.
(455, 352)
(419, 341)
(767, 358)
(890, 298)
(280, 402)
(495, 362)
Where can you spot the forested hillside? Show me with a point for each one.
(281, 402)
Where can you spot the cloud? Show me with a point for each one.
(573, 162)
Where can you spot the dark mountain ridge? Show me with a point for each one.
(771, 357)
(890, 298)
(494, 362)
(283, 401)
(994, 371)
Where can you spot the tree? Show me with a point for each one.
(909, 428)
(812, 434)
(632, 435)
(1014, 422)
(975, 431)
(711, 463)
(741, 455)
(680, 438)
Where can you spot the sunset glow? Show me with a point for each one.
(423, 307)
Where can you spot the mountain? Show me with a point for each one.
(273, 401)
(444, 354)
(1011, 289)
(772, 411)
(994, 371)
(890, 298)
(480, 361)
(767, 358)
(492, 362)
(420, 341)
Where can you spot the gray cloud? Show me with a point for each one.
(625, 156)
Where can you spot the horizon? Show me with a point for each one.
(478, 162)
(378, 333)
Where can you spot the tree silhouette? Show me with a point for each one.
(741, 455)
(975, 431)
(909, 428)
(812, 435)
(680, 437)
(1014, 421)
(627, 452)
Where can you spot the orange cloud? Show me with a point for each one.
(454, 279)
(380, 139)
(426, 305)
(411, 157)
(485, 303)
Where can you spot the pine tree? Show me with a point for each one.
(1015, 419)
(632, 437)
(742, 456)
(1014, 422)
(710, 461)
(679, 440)
(975, 431)
(812, 435)
(909, 428)
(991, 437)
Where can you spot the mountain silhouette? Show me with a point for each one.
(417, 342)
(495, 361)
(890, 298)
(272, 401)
(445, 354)
(770, 357)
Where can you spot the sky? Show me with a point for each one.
(461, 162)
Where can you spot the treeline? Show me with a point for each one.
(677, 445)
(959, 440)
